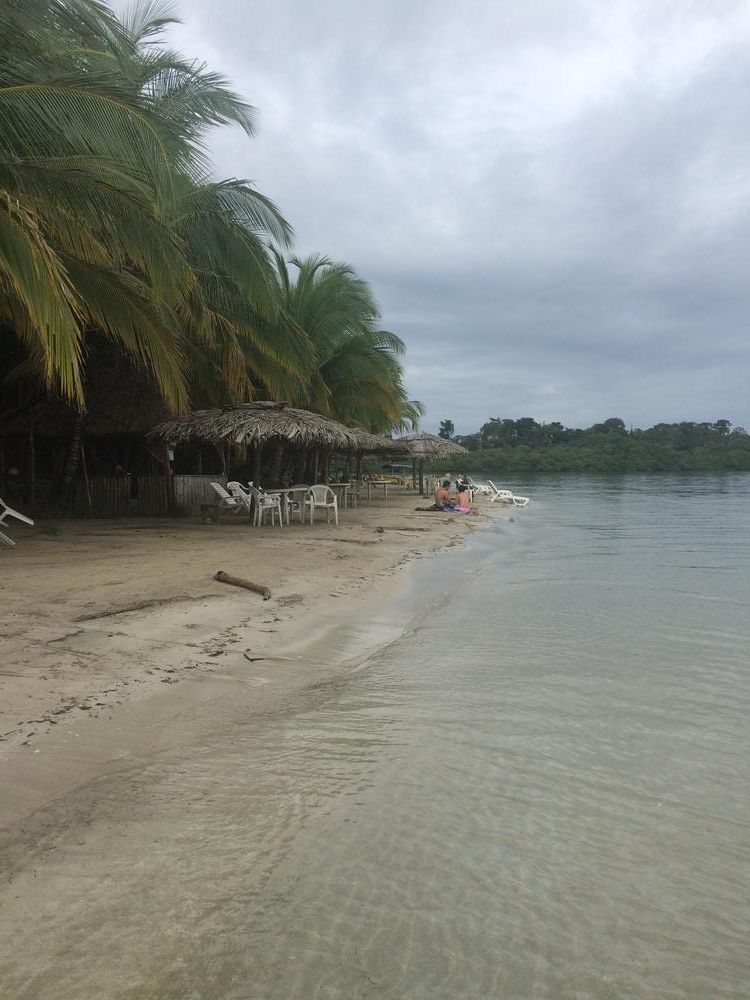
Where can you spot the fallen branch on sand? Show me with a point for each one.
(393, 527)
(254, 659)
(237, 581)
(138, 606)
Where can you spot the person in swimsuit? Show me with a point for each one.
(443, 495)
(463, 499)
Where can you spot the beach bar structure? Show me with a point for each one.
(429, 448)
(309, 439)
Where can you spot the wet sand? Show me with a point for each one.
(116, 639)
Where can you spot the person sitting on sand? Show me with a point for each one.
(443, 495)
(463, 499)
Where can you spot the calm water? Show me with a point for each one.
(541, 790)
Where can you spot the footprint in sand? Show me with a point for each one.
(289, 599)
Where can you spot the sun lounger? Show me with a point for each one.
(226, 500)
(505, 496)
(5, 513)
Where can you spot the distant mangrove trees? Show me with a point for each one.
(525, 446)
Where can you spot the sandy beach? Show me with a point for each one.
(115, 633)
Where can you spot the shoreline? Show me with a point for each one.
(101, 678)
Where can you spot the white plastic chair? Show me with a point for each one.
(5, 513)
(296, 501)
(226, 500)
(322, 498)
(264, 504)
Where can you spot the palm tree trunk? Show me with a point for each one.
(72, 461)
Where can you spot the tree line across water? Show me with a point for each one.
(114, 227)
(523, 446)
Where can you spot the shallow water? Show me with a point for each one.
(540, 790)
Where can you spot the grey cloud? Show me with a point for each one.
(550, 200)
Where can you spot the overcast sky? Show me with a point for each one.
(549, 198)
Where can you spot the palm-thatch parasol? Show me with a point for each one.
(430, 447)
(377, 444)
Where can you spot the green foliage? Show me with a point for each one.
(524, 447)
(110, 224)
(354, 371)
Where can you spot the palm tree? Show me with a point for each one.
(356, 374)
(82, 166)
(108, 220)
(111, 222)
(229, 316)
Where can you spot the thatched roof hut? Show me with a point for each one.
(256, 424)
(430, 447)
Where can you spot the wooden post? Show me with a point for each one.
(32, 467)
(86, 480)
(256, 465)
(277, 457)
(421, 476)
(326, 465)
(222, 458)
(414, 473)
(300, 461)
(168, 484)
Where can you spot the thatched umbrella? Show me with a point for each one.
(430, 447)
(375, 444)
(257, 424)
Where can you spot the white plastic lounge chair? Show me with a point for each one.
(241, 497)
(5, 513)
(479, 488)
(263, 504)
(322, 498)
(226, 500)
(505, 496)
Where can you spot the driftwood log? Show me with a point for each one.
(237, 581)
